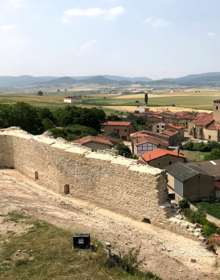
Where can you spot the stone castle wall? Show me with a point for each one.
(112, 182)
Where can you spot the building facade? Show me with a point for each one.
(123, 128)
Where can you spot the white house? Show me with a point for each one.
(143, 109)
(72, 99)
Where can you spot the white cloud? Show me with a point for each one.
(88, 47)
(156, 23)
(7, 27)
(16, 4)
(211, 34)
(110, 14)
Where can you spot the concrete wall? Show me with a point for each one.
(112, 182)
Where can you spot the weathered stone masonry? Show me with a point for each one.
(112, 182)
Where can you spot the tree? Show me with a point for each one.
(115, 134)
(48, 124)
(146, 98)
(40, 93)
(123, 150)
(214, 154)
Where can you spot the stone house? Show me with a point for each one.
(207, 126)
(161, 158)
(72, 99)
(190, 182)
(123, 128)
(94, 143)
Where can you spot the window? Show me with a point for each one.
(216, 107)
(158, 131)
(170, 162)
(158, 126)
(210, 136)
(125, 130)
(114, 129)
(66, 189)
(158, 163)
(118, 130)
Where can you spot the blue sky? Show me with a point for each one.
(150, 38)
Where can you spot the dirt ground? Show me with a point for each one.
(166, 254)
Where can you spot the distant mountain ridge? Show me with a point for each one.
(211, 78)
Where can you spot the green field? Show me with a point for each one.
(95, 98)
(193, 155)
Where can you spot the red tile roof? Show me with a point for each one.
(155, 116)
(214, 126)
(90, 138)
(159, 153)
(145, 107)
(218, 100)
(111, 139)
(118, 123)
(217, 185)
(174, 126)
(169, 132)
(204, 120)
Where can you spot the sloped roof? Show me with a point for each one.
(204, 119)
(150, 139)
(169, 132)
(159, 153)
(90, 138)
(212, 167)
(218, 100)
(118, 123)
(174, 126)
(183, 171)
(214, 126)
(111, 139)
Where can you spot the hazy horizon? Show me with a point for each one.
(154, 39)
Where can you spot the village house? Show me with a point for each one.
(191, 182)
(146, 144)
(143, 109)
(161, 158)
(123, 128)
(213, 168)
(72, 99)
(207, 126)
(94, 143)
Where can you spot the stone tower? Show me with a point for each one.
(216, 110)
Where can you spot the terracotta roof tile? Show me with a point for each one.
(214, 126)
(159, 153)
(204, 120)
(111, 139)
(174, 126)
(118, 123)
(90, 138)
(169, 132)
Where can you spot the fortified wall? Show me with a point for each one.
(111, 182)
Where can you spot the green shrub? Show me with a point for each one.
(183, 204)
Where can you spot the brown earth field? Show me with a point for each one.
(166, 254)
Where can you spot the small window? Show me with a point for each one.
(114, 129)
(216, 107)
(36, 175)
(158, 131)
(170, 162)
(210, 136)
(125, 130)
(118, 130)
(158, 163)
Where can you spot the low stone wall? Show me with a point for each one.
(112, 182)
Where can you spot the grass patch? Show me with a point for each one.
(50, 255)
(193, 155)
(211, 208)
